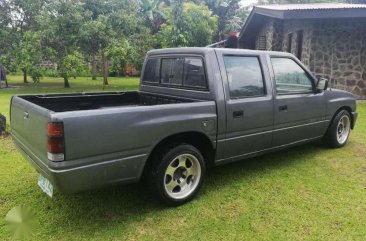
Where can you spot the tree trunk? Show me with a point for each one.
(66, 82)
(25, 79)
(105, 69)
(94, 68)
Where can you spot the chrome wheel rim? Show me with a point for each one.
(182, 176)
(343, 129)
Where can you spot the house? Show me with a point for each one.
(329, 38)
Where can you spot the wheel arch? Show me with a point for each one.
(346, 108)
(196, 139)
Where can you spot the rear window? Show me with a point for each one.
(179, 72)
(152, 71)
(172, 71)
(194, 74)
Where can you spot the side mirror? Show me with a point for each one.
(322, 84)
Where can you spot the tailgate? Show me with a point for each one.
(29, 127)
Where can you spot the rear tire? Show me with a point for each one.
(177, 174)
(339, 130)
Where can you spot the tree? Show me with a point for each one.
(153, 11)
(95, 37)
(188, 24)
(18, 17)
(29, 55)
(96, 32)
(72, 64)
(231, 16)
(109, 27)
(117, 51)
(60, 24)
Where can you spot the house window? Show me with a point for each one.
(289, 42)
(262, 43)
(299, 44)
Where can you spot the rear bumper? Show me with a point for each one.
(68, 178)
(354, 116)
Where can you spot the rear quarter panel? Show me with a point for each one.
(102, 135)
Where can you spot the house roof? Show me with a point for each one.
(312, 6)
(260, 13)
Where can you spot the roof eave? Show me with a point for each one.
(301, 14)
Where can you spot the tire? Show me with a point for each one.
(177, 174)
(339, 130)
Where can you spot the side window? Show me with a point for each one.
(245, 76)
(290, 77)
(151, 73)
(194, 74)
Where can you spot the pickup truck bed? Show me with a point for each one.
(106, 141)
(91, 101)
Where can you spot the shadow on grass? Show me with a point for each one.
(120, 204)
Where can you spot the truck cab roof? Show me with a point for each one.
(204, 50)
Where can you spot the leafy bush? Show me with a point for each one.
(36, 74)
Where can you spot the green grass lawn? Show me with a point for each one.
(304, 193)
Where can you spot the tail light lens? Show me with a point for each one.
(56, 141)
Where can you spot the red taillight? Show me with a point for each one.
(55, 129)
(55, 144)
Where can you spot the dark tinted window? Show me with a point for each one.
(290, 77)
(172, 71)
(244, 76)
(194, 74)
(180, 71)
(166, 66)
(151, 73)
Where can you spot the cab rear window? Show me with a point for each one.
(151, 73)
(178, 72)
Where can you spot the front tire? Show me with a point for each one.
(339, 130)
(177, 174)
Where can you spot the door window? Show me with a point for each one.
(290, 77)
(245, 77)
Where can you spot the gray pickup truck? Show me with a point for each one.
(196, 107)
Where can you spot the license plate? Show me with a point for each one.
(45, 185)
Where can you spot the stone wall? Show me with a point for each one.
(293, 27)
(339, 54)
(266, 32)
(334, 49)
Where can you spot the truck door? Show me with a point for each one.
(299, 109)
(249, 104)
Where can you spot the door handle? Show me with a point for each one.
(282, 107)
(238, 114)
